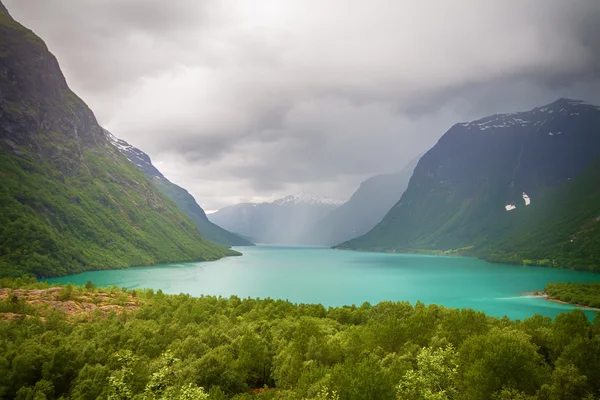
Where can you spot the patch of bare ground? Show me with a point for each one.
(73, 302)
(9, 316)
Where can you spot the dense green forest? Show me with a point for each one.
(177, 346)
(585, 294)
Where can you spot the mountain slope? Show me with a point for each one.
(285, 221)
(460, 189)
(367, 206)
(69, 201)
(184, 201)
(562, 230)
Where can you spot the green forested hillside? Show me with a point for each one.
(56, 225)
(187, 204)
(166, 346)
(585, 294)
(181, 197)
(561, 228)
(69, 201)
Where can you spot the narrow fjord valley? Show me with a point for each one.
(467, 268)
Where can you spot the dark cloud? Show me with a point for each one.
(241, 101)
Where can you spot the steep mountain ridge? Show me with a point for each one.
(284, 221)
(461, 187)
(181, 197)
(69, 201)
(365, 208)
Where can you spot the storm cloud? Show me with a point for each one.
(252, 100)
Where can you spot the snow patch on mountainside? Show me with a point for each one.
(133, 154)
(526, 199)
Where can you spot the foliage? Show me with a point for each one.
(434, 378)
(174, 345)
(585, 294)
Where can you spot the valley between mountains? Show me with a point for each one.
(470, 272)
(75, 197)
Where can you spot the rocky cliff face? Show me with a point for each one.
(461, 188)
(69, 200)
(39, 113)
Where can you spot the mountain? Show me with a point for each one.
(69, 201)
(480, 173)
(367, 206)
(561, 230)
(284, 221)
(184, 201)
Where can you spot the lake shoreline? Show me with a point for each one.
(548, 298)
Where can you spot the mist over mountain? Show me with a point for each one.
(367, 206)
(284, 221)
(110, 286)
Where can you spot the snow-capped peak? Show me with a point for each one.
(313, 199)
(536, 117)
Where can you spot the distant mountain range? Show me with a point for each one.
(69, 200)
(283, 221)
(367, 206)
(312, 219)
(469, 193)
(184, 201)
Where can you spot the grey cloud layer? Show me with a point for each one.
(246, 100)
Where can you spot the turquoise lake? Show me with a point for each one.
(335, 278)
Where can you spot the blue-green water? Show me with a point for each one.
(334, 278)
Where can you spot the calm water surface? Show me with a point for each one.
(334, 278)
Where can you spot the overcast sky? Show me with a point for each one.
(253, 100)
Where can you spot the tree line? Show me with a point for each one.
(178, 346)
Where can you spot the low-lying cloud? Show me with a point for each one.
(246, 101)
